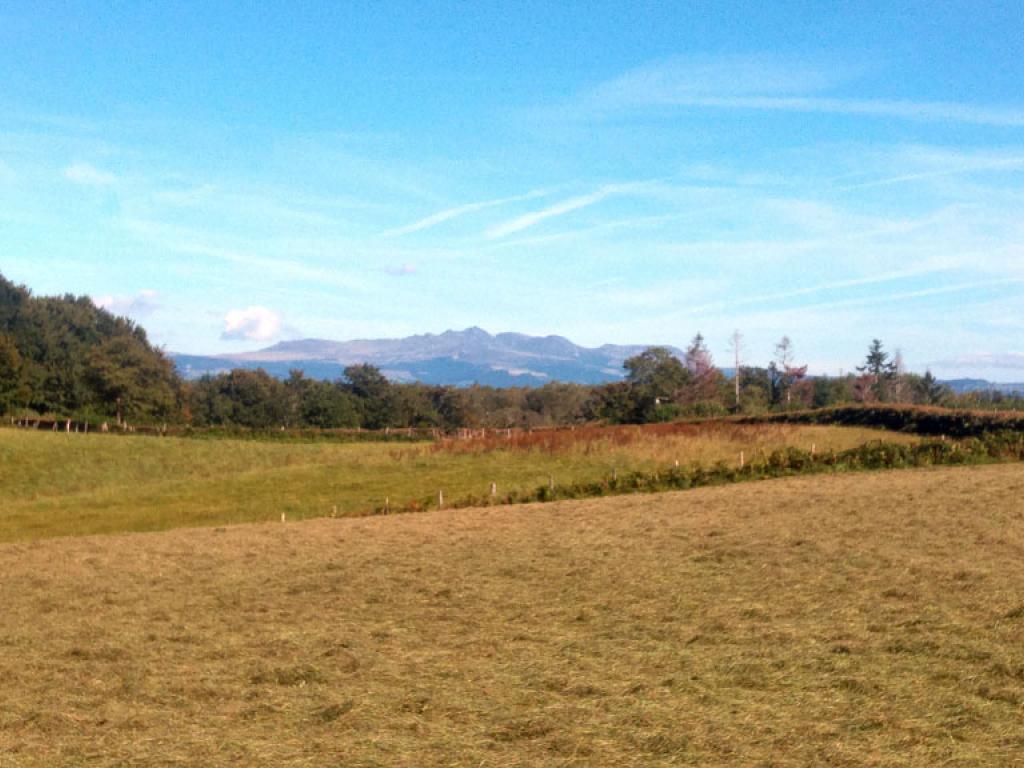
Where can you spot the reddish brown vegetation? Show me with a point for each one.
(584, 437)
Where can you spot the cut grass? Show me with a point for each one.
(850, 620)
(56, 484)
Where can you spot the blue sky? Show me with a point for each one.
(632, 172)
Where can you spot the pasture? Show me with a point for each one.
(862, 619)
(56, 484)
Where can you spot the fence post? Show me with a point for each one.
(742, 460)
(440, 499)
(494, 489)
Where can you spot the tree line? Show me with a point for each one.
(64, 357)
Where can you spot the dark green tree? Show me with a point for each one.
(11, 380)
(371, 388)
(655, 378)
(69, 350)
(131, 380)
(657, 370)
(877, 362)
(929, 390)
(877, 372)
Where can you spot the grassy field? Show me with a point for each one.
(874, 619)
(56, 484)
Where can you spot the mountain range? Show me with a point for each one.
(454, 357)
(461, 358)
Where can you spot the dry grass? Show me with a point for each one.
(54, 484)
(862, 620)
(650, 446)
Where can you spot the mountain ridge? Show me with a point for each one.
(469, 356)
(462, 358)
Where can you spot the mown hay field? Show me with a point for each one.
(869, 619)
(56, 484)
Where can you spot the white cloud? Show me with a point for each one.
(558, 209)
(251, 324)
(451, 213)
(141, 304)
(89, 175)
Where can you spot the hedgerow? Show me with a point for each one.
(919, 420)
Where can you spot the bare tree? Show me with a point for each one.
(788, 374)
(736, 347)
(898, 393)
(784, 353)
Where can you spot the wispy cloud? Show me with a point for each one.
(931, 111)
(903, 296)
(682, 79)
(945, 112)
(89, 175)
(560, 209)
(198, 243)
(834, 285)
(767, 83)
(1006, 164)
(461, 210)
(636, 222)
